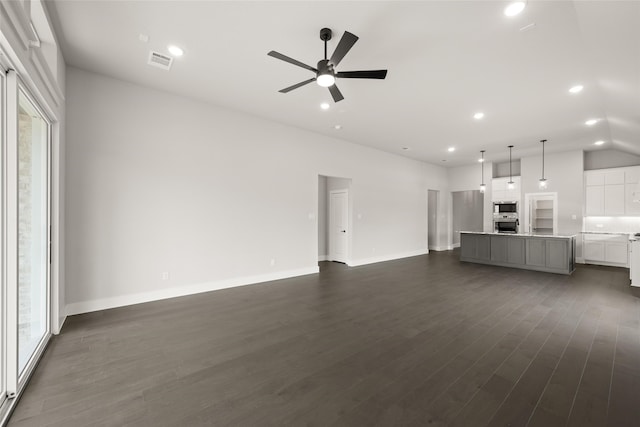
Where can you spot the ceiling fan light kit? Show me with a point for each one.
(325, 71)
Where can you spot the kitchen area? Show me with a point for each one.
(600, 227)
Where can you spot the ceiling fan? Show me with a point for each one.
(325, 73)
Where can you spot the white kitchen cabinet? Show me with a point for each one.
(594, 178)
(614, 199)
(609, 192)
(606, 249)
(593, 251)
(594, 200)
(632, 175)
(630, 207)
(613, 177)
(616, 253)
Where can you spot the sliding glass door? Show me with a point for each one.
(24, 227)
(33, 229)
(3, 298)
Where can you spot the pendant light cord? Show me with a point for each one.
(482, 168)
(510, 174)
(543, 141)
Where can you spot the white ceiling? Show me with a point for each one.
(446, 61)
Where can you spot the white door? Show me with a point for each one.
(338, 225)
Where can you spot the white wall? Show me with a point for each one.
(603, 159)
(157, 182)
(564, 174)
(624, 224)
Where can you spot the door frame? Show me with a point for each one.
(527, 209)
(331, 250)
(435, 247)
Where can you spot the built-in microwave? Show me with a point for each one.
(505, 207)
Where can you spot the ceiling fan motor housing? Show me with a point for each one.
(325, 67)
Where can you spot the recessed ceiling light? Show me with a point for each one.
(478, 116)
(591, 122)
(405, 148)
(576, 89)
(451, 149)
(175, 50)
(337, 127)
(324, 106)
(514, 8)
(598, 142)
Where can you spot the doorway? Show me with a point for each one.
(541, 213)
(432, 219)
(334, 219)
(25, 160)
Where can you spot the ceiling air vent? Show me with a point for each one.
(159, 60)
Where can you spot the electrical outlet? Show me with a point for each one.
(272, 262)
(165, 275)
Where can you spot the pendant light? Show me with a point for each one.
(482, 186)
(510, 185)
(543, 182)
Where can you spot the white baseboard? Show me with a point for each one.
(455, 245)
(61, 321)
(323, 257)
(440, 248)
(606, 264)
(382, 258)
(580, 260)
(120, 301)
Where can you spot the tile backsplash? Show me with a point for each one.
(622, 224)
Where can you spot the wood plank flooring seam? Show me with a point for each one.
(515, 383)
(554, 370)
(581, 376)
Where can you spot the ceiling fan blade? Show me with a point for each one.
(297, 85)
(344, 45)
(371, 74)
(291, 61)
(335, 93)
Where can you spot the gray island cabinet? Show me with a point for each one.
(550, 253)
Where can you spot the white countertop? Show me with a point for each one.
(614, 233)
(557, 236)
(618, 233)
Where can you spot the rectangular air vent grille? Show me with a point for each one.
(159, 60)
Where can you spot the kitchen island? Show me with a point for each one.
(550, 253)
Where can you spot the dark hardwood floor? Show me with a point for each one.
(419, 341)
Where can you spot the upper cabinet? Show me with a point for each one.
(500, 191)
(608, 192)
